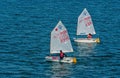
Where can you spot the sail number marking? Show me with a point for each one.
(63, 36)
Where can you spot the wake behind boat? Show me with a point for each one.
(60, 41)
(85, 27)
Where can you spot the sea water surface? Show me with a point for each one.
(25, 27)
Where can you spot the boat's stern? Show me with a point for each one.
(97, 40)
(74, 60)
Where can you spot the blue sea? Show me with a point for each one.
(25, 27)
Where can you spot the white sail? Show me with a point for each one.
(60, 39)
(85, 25)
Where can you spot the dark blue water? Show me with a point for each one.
(25, 27)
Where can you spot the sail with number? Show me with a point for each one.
(85, 25)
(60, 39)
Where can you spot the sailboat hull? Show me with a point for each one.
(86, 40)
(64, 60)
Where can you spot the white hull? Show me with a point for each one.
(64, 60)
(86, 40)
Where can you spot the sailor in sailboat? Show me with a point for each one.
(89, 36)
(62, 55)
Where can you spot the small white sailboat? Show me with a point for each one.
(60, 41)
(84, 27)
